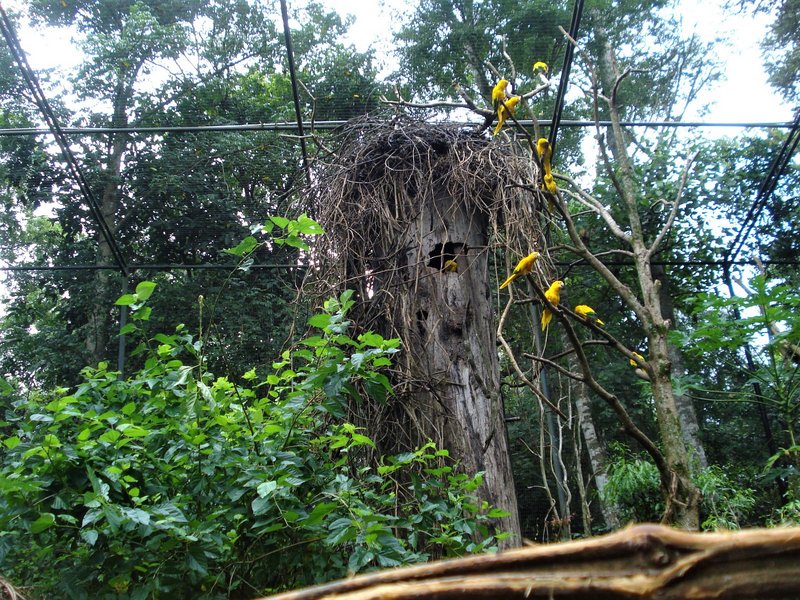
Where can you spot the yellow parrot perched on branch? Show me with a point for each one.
(499, 93)
(504, 111)
(540, 66)
(523, 267)
(545, 152)
(640, 372)
(553, 295)
(639, 356)
(587, 312)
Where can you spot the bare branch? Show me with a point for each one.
(507, 348)
(674, 211)
(594, 204)
(582, 250)
(554, 365)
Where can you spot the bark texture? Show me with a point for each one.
(690, 427)
(680, 493)
(645, 561)
(450, 344)
(594, 448)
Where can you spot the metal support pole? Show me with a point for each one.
(123, 320)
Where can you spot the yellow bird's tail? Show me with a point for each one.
(547, 316)
(511, 278)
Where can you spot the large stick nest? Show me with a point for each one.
(371, 189)
(370, 194)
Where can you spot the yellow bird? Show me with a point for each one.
(545, 152)
(587, 312)
(499, 93)
(639, 356)
(640, 372)
(540, 65)
(505, 111)
(523, 267)
(450, 266)
(550, 183)
(553, 295)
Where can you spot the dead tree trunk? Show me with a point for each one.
(409, 209)
(451, 341)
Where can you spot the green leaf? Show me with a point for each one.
(128, 328)
(246, 246)
(45, 521)
(281, 222)
(110, 436)
(145, 289)
(11, 442)
(261, 505)
(266, 488)
(126, 300)
(89, 536)
(362, 440)
(320, 511)
(308, 226)
(137, 515)
(320, 321)
(132, 431)
(296, 242)
(143, 313)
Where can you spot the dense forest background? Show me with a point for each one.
(223, 457)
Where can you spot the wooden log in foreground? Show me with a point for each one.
(643, 561)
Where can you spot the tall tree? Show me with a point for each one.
(181, 198)
(669, 73)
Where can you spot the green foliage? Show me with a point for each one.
(633, 486)
(787, 515)
(177, 481)
(769, 322)
(726, 502)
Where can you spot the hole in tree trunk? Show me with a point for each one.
(441, 253)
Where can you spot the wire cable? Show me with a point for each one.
(577, 12)
(766, 189)
(287, 34)
(269, 266)
(328, 125)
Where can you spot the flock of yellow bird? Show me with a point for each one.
(553, 295)
(505, 107)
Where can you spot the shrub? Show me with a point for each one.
(178, 481)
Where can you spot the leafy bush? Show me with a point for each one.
(633, 487)
(177, 481)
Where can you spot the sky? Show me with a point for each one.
(743, 95)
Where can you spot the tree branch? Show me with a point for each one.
(674, 210)
(532, 386)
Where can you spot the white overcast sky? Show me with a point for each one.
(743, 95)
